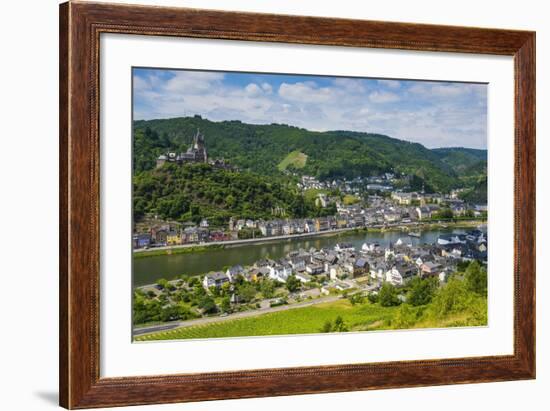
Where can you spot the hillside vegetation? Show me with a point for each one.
(294, 160)
(464, 161)
(194, 191)
(270, 149)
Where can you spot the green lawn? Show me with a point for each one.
(350, 199)
(312, 193)
(305, 320)
(295, 158)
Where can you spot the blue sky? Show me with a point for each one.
(435, 114)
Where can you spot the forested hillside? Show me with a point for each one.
(194, 191)
(335, 154)
(464, 161)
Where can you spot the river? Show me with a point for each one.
(147, 270)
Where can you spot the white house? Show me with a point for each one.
(370, 247)
(377, 271)
(314, 269)
(334, 272)
(344, 247)
(393, 276)
(280, 272)
(397, 275)
(216, 279)
(448, 239)
(404, 242)
(233, 272)
(303, 277)
(423, 212)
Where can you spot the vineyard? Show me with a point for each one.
(305, 320)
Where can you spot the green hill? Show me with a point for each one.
(196, 191)
(294, 159)
(464, 161)
(264, 149)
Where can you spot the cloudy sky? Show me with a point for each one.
(435, 114)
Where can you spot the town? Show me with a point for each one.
(362, 202)
(317, 276)
(405, 210)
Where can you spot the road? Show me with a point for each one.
(244, 314)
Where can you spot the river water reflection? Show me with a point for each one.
(147, 270)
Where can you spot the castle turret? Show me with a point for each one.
(199, 147)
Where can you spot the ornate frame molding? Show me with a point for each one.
(81, 24)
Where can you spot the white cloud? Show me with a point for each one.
(442, 90)
(350, 85)
(140, 84)
(393, 84)
(383, 97)
(191, 82)
(305, 92)
(434, 114)
(266, 87)
(253, 90)
(448, 90)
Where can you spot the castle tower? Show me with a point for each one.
(199, 147)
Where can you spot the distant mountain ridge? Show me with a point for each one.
(332, 154)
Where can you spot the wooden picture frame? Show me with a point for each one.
(80, 27)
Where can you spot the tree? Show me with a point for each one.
(267, 288)
(443, 214)
(169, 313)
(226, 287)
(162, 283)
(405, 317)
(339, 325)
(246, 292)
(452, 298)
(327, 327)
(207, 305)
(356, 299)
(292, 283)
(215, 291)
(193, 281)
(422, 290)
(373, 298)
(476, 278)
(388, 296)
(225, 305)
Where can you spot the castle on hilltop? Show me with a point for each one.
(196, 153)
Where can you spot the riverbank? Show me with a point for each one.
(194, 248)
(173, 250)
(405, 227)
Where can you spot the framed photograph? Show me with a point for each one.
(260, 205)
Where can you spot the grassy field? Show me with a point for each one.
(295, 158)
(310, 320)
(350, 199)
(305, 320)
